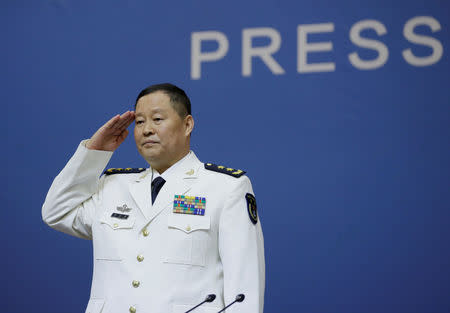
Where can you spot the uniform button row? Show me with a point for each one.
(140, 258)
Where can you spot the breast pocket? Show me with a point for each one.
(187, 239)
(112, 236)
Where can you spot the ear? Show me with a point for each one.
(188, 124)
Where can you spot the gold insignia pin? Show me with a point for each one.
(190, 172)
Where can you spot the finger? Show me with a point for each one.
(123, 125)
(113, 121)
(131, 119)
(128, 121)
(122, 136)
(123, 119)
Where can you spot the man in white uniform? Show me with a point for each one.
(166, 236)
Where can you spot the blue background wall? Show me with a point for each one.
(350, 167)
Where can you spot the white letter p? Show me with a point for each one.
(197, 57)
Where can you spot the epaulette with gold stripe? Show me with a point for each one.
(224, 170)
(128, 170)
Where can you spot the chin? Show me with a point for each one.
(148, 155)
(151, 157)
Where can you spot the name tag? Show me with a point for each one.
(120, 216)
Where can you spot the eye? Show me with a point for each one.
(139, 122)
(157, 119)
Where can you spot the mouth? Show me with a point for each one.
(149, 143)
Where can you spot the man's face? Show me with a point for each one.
(161, 135)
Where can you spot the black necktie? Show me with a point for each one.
(157, 184)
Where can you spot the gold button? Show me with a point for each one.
(140, 258)
(132, 309)
(188, 228)
(136, 283)
(116, 225)
(145, 232)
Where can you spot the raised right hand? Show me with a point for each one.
(112, 134)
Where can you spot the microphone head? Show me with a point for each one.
(210, 298)
(240, 297)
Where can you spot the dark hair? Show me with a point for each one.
(178, 98)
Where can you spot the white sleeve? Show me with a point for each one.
(241, 248)
(74, 195)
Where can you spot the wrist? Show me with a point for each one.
(88, 144)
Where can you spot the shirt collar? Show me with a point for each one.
(173, 169)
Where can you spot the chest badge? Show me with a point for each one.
(123, 208)
(189, 205)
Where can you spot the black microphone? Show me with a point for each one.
(209, 298)
(239, 298)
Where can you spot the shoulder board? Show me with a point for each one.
(224, 170)
(128, 170)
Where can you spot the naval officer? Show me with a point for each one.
(166, 236)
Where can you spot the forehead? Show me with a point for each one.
(156, 101)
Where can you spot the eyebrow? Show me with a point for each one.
(157, 110)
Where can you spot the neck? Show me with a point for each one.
(161, 167)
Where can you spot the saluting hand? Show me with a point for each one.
(112, 134)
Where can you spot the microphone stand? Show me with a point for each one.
(209, 298)
(239, 298)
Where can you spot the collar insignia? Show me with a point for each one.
(190, 172)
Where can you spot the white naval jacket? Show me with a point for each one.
(158, 261)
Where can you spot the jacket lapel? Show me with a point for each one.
(141, 192)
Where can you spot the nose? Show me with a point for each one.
(148, 129)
